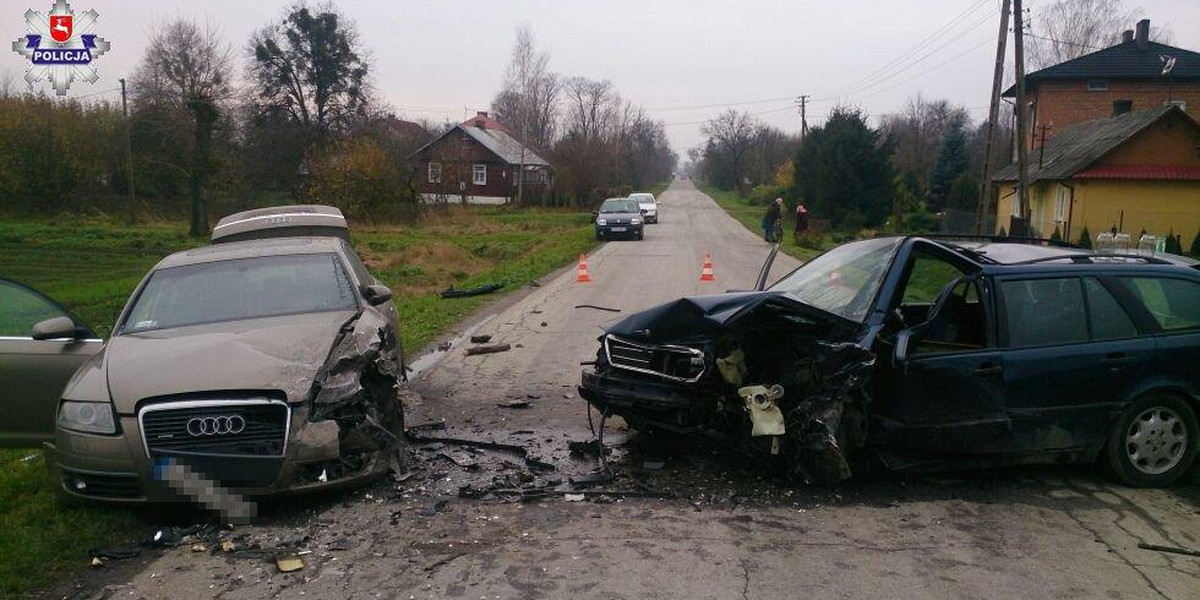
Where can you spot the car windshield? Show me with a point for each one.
(643, 198)
(244, 288)
(844, 280)
(619, 206)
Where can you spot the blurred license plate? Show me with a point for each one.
(618, 229)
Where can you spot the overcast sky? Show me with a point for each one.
(442, 58)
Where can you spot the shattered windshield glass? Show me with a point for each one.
(245, 288)
(844, 280)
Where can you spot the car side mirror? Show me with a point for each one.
(377, 294)
(903, 339)
(57, 328)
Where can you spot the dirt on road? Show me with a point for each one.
(503, 519)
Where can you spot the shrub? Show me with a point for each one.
(1002, 232)
(810, 240)
(1085, 238)
(1174, 246)
(1195, 250)
(1056, 236)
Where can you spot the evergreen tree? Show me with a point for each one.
(843, 172)
(964, 194)
(1085, 239)
(953, 160)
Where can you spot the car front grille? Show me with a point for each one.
(253, 428)
(677, 363)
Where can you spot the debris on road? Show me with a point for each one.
(514, 404)
(589, 448)
(450, 292)
(116, 553)
(1168, 549)
(574, 497)
(603, 308)
(461, 459)
(289, 562)
(654, 463)
(487, 349)
(481, 339)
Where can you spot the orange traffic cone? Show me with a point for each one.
(707, 273)
(581, 275)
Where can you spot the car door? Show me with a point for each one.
(1072, 354)
(33, 372)
(944, 394)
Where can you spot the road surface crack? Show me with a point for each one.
(745, 580)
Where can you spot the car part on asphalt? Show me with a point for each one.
(475, 350)
(603, 308)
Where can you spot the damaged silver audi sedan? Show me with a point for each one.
(922, 353)
(266, 362)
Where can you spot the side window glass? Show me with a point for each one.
(959, 325)
(1174, 303)
(1041, 312)
(1109, 321)
(21, 309)
(927, 277)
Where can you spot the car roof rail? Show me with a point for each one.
(996, 239)
(1095, 259)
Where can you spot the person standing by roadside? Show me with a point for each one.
(771, 219)
(801, 219)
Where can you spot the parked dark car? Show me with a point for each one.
(923, 353)
(619, 217)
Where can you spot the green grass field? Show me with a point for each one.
(751, 216)
(92, 268)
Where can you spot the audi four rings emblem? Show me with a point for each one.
(222, 425)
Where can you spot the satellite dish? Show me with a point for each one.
(1168, 63)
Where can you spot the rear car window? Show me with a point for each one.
(1174, 303)
(246, 288)
(1108, 319)
(1042, 312)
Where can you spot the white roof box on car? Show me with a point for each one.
(302, 220)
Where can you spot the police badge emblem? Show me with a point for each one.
(60, 46)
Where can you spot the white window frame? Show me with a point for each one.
(431, 170)
(1097, 85)
(1060, 204)
(479, 173)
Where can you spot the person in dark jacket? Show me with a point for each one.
(801, 219)
(771, 219)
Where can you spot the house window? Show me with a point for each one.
(1097, 86)
(479, 174)
(1060, 205)
(435, 172)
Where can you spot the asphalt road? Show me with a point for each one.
(729, 531)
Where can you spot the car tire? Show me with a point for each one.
(641, 235)
(1153, 443)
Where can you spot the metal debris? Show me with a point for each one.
(288, 562)
(603, 308)
(480, 339)
(450, 292)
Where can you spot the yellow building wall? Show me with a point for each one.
(1159, 207)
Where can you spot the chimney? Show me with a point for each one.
(481, 119)
(1121, 107)
(1143, 34)
(1127, 36)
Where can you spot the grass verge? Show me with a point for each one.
(92, 268)
(751, 216)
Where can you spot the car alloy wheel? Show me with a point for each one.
(1156, 440)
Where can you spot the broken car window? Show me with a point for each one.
(927, 279)
(245, 288)
(1044, 312)
(844, 280)
(960, 323)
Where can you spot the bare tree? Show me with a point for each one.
(733, 134)
(1067, 29)
(590, 107)
(529, 100)
(185, 72)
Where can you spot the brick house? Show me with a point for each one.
(1137, 171)
(1134, 74)
(478, 162)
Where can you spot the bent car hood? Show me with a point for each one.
(271, 353)
(701, 317)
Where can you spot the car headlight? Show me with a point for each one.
(601, 222)
(88, 417)
(635, 221)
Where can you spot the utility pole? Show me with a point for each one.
(129, 155)
(985, 185)
(802, 100)
(1042, 141)
(1022, 145)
